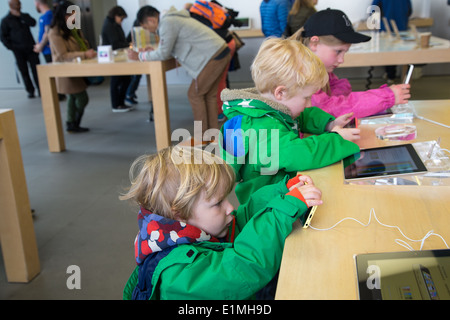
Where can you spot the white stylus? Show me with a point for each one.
(408, 76)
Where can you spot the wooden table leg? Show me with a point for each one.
(160, 107)
(52, 113)
(17, 235)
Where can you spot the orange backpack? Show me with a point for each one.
(211, 11)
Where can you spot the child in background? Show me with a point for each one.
(263, 138)
(329, 34)
(192, 244)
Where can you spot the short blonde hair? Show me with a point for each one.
(286, 62)
(170, 182)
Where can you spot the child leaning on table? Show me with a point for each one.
(329, 34)
(263, 138)
(191, 243)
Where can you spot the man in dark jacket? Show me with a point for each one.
(16, 36)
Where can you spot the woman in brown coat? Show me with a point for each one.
(67, 45)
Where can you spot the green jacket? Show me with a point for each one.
(263, 143)
(230, 270)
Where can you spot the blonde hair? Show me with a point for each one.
(286, 62)
(170, 182)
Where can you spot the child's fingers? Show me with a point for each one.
(310, 192)
(311, 203)
(306, 179)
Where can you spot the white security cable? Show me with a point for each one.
(398, 241)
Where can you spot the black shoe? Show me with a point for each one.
(72, 127)
(30, 95)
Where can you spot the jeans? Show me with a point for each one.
(76, 104)
(118, 90)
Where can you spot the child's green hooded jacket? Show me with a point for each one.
(206, 270)
(263, 143)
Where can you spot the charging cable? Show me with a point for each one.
(398, 241)
(435, 122)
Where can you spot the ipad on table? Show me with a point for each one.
(410, 275)
(383, 162)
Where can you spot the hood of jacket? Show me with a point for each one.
(157, 233)
(251, 99)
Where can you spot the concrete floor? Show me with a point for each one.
(79, 219)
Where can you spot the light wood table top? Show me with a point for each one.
(156, 88)
(383, 50)
(320, 264)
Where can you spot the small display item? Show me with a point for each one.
(396, 132)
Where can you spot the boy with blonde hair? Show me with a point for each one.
(192, 244)
(263, 138)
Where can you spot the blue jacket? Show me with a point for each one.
(398, 10)
(274, 15)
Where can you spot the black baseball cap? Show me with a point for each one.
(335, 23)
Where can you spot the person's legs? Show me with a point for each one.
(123, 88)
(33, 60)
(76, 103)
(223, 80)
(22, 65)
(117, 93)
(203, 93)
(132, 88)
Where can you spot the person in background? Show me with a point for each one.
(68, 45)
(198, 49)
(300, 12)
(399, 11)
(191, 243)
(43, 45)
(44, 24)
(225, 34)
(274, 14)
(329, 34)
(113, 34)
(16, 35)
(131, 96)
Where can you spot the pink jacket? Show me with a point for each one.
(362, 103)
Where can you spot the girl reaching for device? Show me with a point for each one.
(329, 34)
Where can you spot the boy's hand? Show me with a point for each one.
(133, 55)
(309, 191)
(401, 92)
(340, 121)
(350, 134)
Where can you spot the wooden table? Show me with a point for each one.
(17, 237)
(320, 264)
(156, 82)
(389, 51)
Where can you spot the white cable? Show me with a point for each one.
(435, 122)
(398, 241)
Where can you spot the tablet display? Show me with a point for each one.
(410, 275)
(383, 162)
